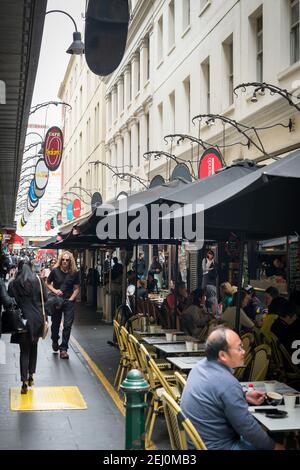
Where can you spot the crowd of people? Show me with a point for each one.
(50, 290)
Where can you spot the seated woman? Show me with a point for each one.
(227, 292)
(195, 317)
(230, 313)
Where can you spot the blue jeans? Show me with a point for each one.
(242, 445)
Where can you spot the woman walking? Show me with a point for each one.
(26, 289)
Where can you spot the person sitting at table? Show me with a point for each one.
(272, 315)
(214, 400)
(230, 313)
(182, 298)
(287, 326)
(152, 284)
(195, 316)
(254, 309)
(270, 294)
(142, 293)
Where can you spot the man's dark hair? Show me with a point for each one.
(217, 343)
(277, 305)
(272, 291)
(285, 308)
(244, 293)
(197, 294)
(115, 260)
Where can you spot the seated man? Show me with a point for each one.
(287, 326)
(214, 401)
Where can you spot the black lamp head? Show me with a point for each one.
(77, 46)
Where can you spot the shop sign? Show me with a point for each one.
(96, 200)
(32, 196)
(41, 175)
(69, 211)
(59, 218)
(210, 162)
(181, 171)
(53, 148)
(76, 208)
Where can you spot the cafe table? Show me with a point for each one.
(178, 348)
(290, 423)
(157, 333)
(185, 362)
(280, 387)
(162, 340)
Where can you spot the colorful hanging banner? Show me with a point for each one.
(53, 148)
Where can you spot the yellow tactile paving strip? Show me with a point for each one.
(47, 398)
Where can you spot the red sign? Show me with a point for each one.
(210, 162)
(48, 225)
(53, 148)
(76, 208)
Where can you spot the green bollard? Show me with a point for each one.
(135, 387)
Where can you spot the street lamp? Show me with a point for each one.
(77, 46)
(261, 87)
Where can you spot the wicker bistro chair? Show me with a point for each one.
(180, 382)
(260, 363)
(284, 367)
(124, 362)
(248, 341)
(240, 372)
(163, 364)
(179, 426)
(132, 359)
(158, 384)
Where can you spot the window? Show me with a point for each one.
(88, 136)
(96, 124)
(80, 149)
(160, 37)
(161, 122)
(139, 146)
(148, 57)
(130, 82)
(138, 72)
(228, 56)
(186, 14)
(172, 112)
(205, 66)
(187, 102)
(259, 48)
(171, 24)
(294, 31)
(148, 132)
(80, 103)
(80, 186)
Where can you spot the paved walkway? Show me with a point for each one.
(101, 426)
(92, 368)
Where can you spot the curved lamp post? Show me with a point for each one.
(77, 46)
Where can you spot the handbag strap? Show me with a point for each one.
(42, 295)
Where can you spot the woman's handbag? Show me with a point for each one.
(13, 321)
(46, 327)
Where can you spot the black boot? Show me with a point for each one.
(30, 381)
(24, 388)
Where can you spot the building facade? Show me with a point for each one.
(184, 58)
(84, 136)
